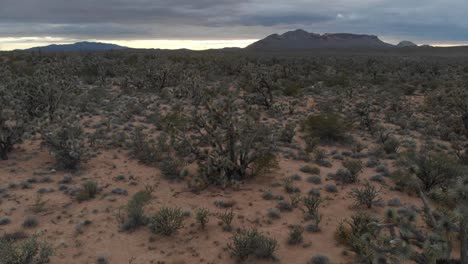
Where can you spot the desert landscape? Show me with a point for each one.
(252, 155)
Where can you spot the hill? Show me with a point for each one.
(303, 40)
(79, 46)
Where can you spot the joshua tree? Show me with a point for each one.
(240, 146)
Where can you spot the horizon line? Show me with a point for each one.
(12, 44)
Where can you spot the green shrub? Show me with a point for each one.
(30, 222)
(295, 235)
(287, 133)
(310, 170)
(30, 251)
(166, 221)
(391, 145)
(67, 145)
(312, 204)
(135, 214)
(226, 219)
(171, 169)
(144, 151)
(326, 127)
(344, 176)
(368, 195)
(248, 243)
(319, 259)
(202, 216)
(353, 166)
(88, 191)
(433, 169)
(11, 133)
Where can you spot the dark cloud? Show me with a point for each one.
(428, 20)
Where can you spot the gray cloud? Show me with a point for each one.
(425, 20)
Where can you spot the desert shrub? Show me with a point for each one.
(310, 170)
(226, 219)
(433, 169)
(225, 203)
(264, 164)
(166, 221)
(12, 129)
(66, 142)
(273, 213)
(378, 178)
(171, 169)
(284, 206)
(391, 145)
(268, 195)
(145, 151)
(312, 204)
(367, 195)
(331, 188)
(134, 211)
(326, 127)
(295, 235)
(88, 191)
(319, 259)
(4, 220)
(314, 179)
(202, 216)
(344, 176)
(248, 243)
(289, 186)
(353, 166)
(241, 147)
(30, 222)
(29, 251)
(351, 233)
(287, 133)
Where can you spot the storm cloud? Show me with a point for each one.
(432, 21)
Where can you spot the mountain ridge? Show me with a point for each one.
(78, 46)
(302, 40)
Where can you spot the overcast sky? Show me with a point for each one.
(191, 23)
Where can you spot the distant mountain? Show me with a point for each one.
(303, 40)
(79, 46)
(406, 43)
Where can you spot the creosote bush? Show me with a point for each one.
(28, 251)
(66, 142)
(251, 242)
(166, 221)
(433, 170)
(134, 211)
(328, 128)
